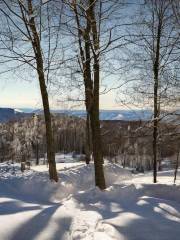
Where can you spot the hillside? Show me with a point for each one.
(8, 114)
(130, 208)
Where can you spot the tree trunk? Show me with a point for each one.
(47, 115)
(155, 134)
(88, 140)
(176, 166)
(97, 151)
(95, 122)
(91, 86)
(40, 70)
(37, 153)
(156, 104)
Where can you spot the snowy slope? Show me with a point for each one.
(32, 208)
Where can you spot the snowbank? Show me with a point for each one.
(79, 177)
(32, 207)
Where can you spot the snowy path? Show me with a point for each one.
(127, 210)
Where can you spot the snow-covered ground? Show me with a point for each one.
(132, 208)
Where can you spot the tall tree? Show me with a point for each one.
(154, 55)
(161, 53)
(24, 25)
(94, 25)
(89, 48)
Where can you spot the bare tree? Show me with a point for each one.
(94, 25)
(89, 47)
(24, 35)
(154, 52)
(176, 166)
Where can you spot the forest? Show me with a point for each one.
(84, 176)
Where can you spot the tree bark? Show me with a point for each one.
(176, 166)
(97, 151)
(88, 140)
(94, 115)
(91, 84)
(37, 153)
(43, 88)
(156, 104)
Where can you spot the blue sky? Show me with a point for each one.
(19, 93)
(25, 94)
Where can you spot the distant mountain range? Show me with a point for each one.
(128, 115)
(7, 114)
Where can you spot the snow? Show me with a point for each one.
(131, 208)
(119, 117)
(18, 110)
